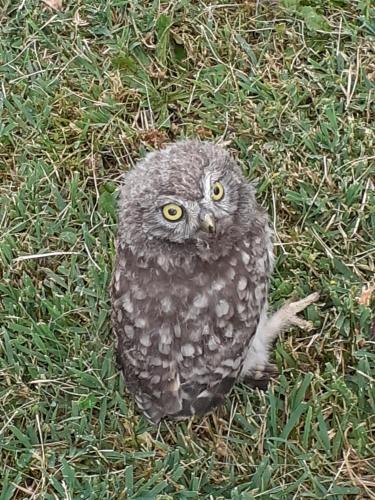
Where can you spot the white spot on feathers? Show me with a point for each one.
(187, 350)
(245, 257)
(155, 379)
(228, 362)
(127, 304)
(237, 363)
(164, 349)
(231, 273)
(163, 262)
(165, 334)
(177, 330)
(145, 339)
(218, 285)
(229, 331)
(242, 283)
(138, 293)
(166, 304)
(154, 361)
(117, 275)
(140, 322)
(222, 308)
(200, 301)
(129, 331)
(212, 343)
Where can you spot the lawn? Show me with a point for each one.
(289, 88)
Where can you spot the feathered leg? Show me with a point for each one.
(257, 370)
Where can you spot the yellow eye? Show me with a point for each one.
(172, 212)
(217, 191)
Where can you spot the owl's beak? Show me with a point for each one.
(208, 223)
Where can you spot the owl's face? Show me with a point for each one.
(191, 191)
(178, 217)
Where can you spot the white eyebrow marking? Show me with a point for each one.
(206, 184)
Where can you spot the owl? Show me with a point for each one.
(189, 287)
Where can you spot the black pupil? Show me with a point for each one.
(172, 211)
(216, 190)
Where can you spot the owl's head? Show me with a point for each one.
(190, 192)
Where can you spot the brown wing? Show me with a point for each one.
(149, 374)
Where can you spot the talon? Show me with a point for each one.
(313, 297)
(309, 325)
(302, 323)
(260, 377)
(300, 305)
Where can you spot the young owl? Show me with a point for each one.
(189, 288)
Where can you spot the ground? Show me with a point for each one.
(85, 90)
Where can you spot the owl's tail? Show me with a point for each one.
(161, 403)
(200, 399)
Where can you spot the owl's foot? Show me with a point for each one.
(260, 376)
(287, 315)
(256, 370)
(270, 327)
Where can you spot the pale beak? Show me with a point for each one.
(208, 223)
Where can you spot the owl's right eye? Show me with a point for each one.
(172, 212)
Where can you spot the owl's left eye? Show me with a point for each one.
(172, 212)
(217, 191)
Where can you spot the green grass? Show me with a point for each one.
(290, 89)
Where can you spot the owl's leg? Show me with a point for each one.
(257, 370)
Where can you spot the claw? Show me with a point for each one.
(288, 313)
(302, 323)
(256, 371)
(260, 377)
(300, 305)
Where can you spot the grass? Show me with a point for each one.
(84, 92)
